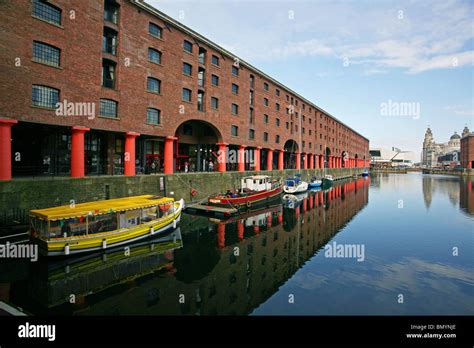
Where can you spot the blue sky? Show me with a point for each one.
(349, 57)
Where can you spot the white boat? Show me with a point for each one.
(295, 185)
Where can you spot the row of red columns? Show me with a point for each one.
(78, 157)
(310, 161)
(77, 151)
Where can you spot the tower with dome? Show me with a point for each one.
(432, 150)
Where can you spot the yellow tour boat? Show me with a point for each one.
(93, 226)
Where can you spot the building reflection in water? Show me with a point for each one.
(210, 267)
(458, 190)
(466, 196)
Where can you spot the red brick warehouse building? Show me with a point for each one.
(467, 151)
(141, 93)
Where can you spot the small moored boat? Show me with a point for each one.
(365, 173)
(328, 180)
(92, 226)
(315, 182)
(295, 185)
(254, 190)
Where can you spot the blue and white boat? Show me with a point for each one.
(295, 185)
(315, 182)
(365, 173)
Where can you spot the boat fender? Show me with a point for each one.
(152, 230)
(174, 223)
(248, 204)
(66, 249)
(104, 244)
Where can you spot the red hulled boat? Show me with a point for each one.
(254, 190)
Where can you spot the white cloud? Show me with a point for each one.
(431, 35)
(460, 110)
(369, 72)
(305, 48)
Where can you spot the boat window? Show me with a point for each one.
(102, 223)
(39, 228)
(68, 227)
(150, 214)
(130, 218)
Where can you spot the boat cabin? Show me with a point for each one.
(96, 217)
(256, 183)
(293, 181)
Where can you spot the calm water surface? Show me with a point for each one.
(416, 232)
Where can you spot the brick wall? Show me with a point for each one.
(79, 80)
(467, 151)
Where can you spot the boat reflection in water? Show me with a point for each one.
(54, 283)
(216, 267)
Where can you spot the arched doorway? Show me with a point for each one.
(291, 147)
(327, 153)
(344, 158)
(356, 164)
(196, 147)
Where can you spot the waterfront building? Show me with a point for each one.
(432, 150)
(394, 157)
(450, 160)
(467, 150)
(117, 87)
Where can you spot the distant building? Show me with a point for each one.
(391, 157)
(451, 159)
(432, 151)
(467, 151)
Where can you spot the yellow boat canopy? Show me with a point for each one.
(100, 207)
